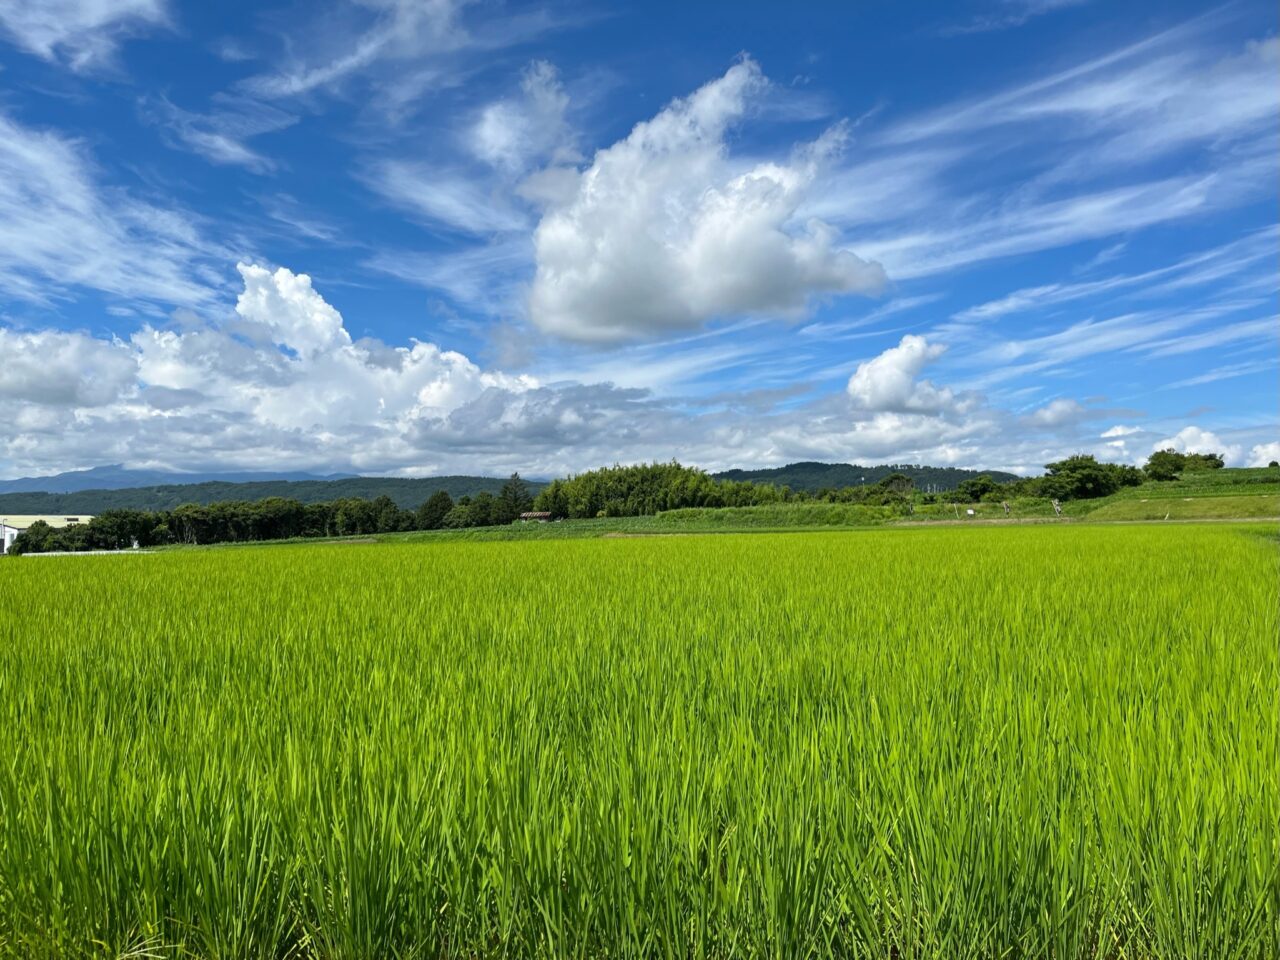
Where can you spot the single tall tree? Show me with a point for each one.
(513, 500)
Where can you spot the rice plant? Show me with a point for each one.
(959, 743)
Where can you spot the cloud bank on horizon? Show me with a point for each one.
(415, 238)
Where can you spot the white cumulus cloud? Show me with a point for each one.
(513, 133)
(1263, 454)
(888, 383)
(281, 383)
(1057, 412)
(1196, 440)
(666, 231)
(59, 369)
(287, 308)
(1120, 430)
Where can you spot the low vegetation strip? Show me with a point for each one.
(1042, 741)
(1237, 481)
(1259, 506)
(775, 516)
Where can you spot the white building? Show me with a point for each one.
(14, 524)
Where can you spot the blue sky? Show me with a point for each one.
(421, 237)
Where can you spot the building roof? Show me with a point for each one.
(20, 521)
(536, 515)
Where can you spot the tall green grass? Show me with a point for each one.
(959, 743)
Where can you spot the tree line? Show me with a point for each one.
(814, 476)
(617, 491)
(274, 518)
(1083, 477)
(646, 489)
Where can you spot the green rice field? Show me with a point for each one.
(1057, 741)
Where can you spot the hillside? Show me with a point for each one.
(812, 476)
(407, 493)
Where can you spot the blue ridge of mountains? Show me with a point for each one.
(118, 477)
(117, 487)
(177, 489)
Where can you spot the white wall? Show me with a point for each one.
(10, 535)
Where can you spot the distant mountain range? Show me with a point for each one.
(407, 493)
(118, 477)
(115, 487)
(813, 477)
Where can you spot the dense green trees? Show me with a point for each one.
(1164, 465)
(407, 492)
(112, 530)
(434, 509)
(1168, 464)
(486, 510)
(892, 490)
(553, 499)
(274, 518)
(971, 491)
(34, 539)
(1082, 477)
(645, 489)
(813, 477)
(1078, 477)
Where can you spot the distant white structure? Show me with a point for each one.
(14, 524)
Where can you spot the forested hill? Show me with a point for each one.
(407, 493)
(813, 476)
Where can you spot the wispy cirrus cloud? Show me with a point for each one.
(1259, 247)
(489, 279)
(1006, 14)
(1020, 227)
(222, 135)
(62, 228)
(84, 35)
(400, 51)
(924, 197)
(447, 198)
(1226, 372)
(1265, 330)
(1004, 359)
(334, 52)
(1114, 90)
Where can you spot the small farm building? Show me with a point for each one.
(537, 516)
(14, 524)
